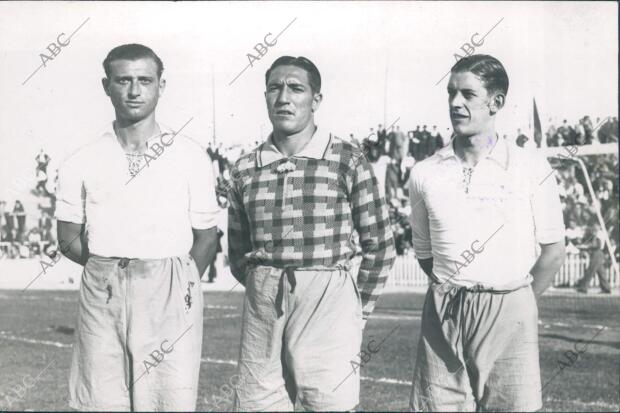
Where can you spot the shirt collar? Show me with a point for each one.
(499, 153)
(165, 130)
(316, 147)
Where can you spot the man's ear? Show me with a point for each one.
(316, 101)
(497, 102)
(105, 82)
(162, 86)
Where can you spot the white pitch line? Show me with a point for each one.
(223, 307)
(541, 323)
(11, 337)
(600, 404)
(218, 361)
(560, 324)
(386, 380)
(394, 317)
(223, 316)
(382, 380)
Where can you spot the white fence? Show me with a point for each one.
(407, 273)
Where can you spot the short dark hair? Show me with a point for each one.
(132, 51)
(314, 77)
(487, 68)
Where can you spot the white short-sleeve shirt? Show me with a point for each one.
(489, 234)
(150, 215)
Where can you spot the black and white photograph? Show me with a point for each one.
(309, 206)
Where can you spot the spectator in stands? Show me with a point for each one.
(438, 138)
(521, 138)
(416, 146)
(594, 245)
(43, 160)
(397, 174)
(3, 219)
(579, 134)
(45, 221)
(564, 131)
(41, 188)
(20, 216)
(574, 234)
(382, 139)
(588, 129)
(372, 136)
(428, 142)
(34, 241)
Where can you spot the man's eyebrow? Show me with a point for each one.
(295, 82)
(124, 77)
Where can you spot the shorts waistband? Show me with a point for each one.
(483, 288)
(124, 261)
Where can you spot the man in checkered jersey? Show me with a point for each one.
(295, 202)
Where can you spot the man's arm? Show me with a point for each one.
(420, 229)
(239, 242)
(204, 248)
(72, 241)
(427, 266)
(372, 222)
(203, 208)
(549, 227)
(547, 265)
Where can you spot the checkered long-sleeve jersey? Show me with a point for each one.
(306, 217)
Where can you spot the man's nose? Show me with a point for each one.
(283, 96)
(454, 100)
(134, 89)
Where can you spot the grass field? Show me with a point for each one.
(37, 327)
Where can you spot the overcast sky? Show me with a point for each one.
(562, 53)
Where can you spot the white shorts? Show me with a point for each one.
(139, 335)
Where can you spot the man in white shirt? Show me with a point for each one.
(137, 208)
(479, 207)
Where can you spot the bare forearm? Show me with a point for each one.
(548, 264)
(204, 248)
(72, 242)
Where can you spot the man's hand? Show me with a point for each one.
(240, 268)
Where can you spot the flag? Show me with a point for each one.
(537, 127)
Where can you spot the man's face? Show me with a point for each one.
(134, 88)
(291, 103)
(469, 103)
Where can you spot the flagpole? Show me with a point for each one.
(213, 103)
(385, 91)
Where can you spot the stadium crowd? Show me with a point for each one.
(18, 239)
(392, 153)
